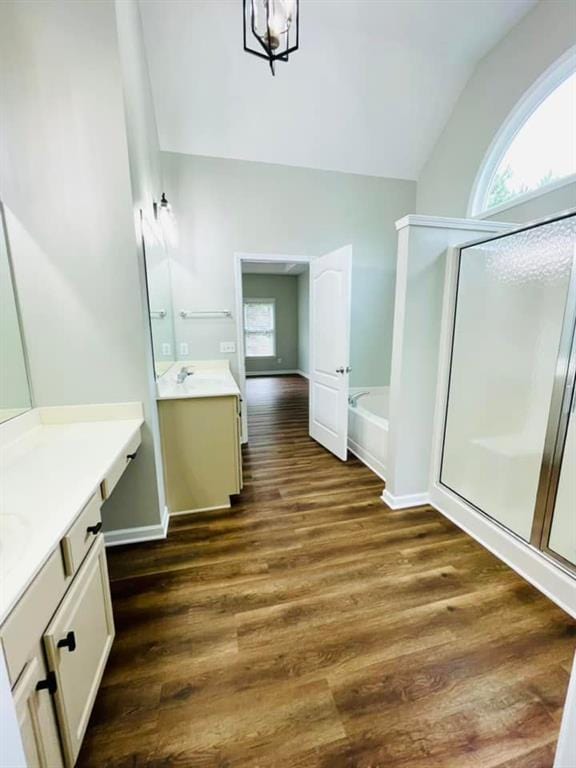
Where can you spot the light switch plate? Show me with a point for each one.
(227, 347)
(166, 349)
(184, 351)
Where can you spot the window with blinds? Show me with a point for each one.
(259, 328)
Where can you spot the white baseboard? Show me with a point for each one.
(304, 375)
(367, 458)
(200, 509)
(526, 560)
(271, 373)
(404, 502)
(138, 535)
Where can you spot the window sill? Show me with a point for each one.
(526, 197)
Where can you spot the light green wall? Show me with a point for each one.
(227, 206)
(67, 189)
(304, 322)
(284, 289)
(500, 80)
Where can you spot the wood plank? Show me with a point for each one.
(309, 626)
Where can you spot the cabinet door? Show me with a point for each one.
(36, 717)
(239, 445)
(77, 644)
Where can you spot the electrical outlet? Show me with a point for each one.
(227, 347)
(184, 349)
(279, 360)
(166, 349)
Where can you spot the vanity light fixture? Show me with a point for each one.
(274, 25)
(165, 217)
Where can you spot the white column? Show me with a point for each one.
(422, 244)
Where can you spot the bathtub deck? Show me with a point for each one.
(310, 626)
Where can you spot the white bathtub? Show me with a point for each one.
(368, 428)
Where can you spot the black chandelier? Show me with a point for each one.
(274, 24)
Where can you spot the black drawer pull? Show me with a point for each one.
(132, 456)
(95, 529)
(49, 684)
(68, 642)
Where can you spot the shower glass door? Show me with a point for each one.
(509, 323)
(562, 537)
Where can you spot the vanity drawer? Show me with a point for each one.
(79, 539)
(29, 618)
(119, 467)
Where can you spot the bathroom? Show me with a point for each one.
(205, 567)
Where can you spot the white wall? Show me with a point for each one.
(66, 184)
(304, 322)
(14, 390)
(225, 206)
(502, 77)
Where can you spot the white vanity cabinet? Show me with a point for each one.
(56, 622)
(57, 641)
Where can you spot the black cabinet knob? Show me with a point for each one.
(132, 456)
(95, 529)
(49, 684)
(68, 642)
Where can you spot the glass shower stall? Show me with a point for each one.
(509, 431)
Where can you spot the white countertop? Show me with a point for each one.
(210, 378)
(50, 466)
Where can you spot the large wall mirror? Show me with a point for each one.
(15, 397)
(159, 293)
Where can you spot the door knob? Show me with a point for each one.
(339, 370)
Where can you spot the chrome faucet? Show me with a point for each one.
(353, 399)
(183, 374)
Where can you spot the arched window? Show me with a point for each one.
(535, 150)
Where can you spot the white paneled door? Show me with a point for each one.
(330, 280)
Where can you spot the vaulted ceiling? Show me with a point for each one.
(368, 92)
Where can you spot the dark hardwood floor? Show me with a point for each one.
(310, 625)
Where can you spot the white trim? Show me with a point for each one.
(200, 509)
(404, 502)
(444, 222)
(367, 458)
(526, 560)
(239, 257)
(272, 302)
(276, 372)
(303, 374)
(524, 108)
(527, 196)
(138, 535)
(566, 749)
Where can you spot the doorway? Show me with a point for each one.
(293, 317)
